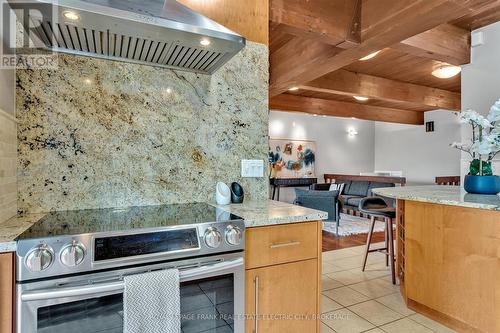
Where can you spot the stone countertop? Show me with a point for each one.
(255, 214)
(441, 194)
(262, 213)
(10, 229)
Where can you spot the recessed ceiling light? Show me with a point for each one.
(315, 115)
(205, 42)
(71, 16)
(445, 72)
(293, 89)
(360, 98)
(353, 117)
(370, 56)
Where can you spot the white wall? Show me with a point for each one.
(420, 155)
(378, 146)
(336, 151)
(481, 82)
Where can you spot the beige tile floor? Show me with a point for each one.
(354, 301)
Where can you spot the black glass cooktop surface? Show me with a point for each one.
(76, 222)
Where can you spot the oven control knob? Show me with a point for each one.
(39, 258)
(233, 235)
(213, 238)
(72, 254)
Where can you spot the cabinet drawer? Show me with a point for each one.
(279, 244)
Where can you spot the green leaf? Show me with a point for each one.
(474, 168)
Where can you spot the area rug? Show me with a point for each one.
(352, 225)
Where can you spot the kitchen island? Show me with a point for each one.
(448, 254)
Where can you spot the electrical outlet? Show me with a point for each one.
(252, 168)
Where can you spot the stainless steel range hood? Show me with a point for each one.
(152, 32)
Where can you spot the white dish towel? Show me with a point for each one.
(151, 302)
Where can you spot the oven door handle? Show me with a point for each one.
(118, 285)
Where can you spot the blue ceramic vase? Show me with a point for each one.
(482, 184)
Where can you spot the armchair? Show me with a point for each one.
(326, 201)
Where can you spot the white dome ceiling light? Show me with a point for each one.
(446, 71)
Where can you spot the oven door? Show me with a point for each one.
(212, 299)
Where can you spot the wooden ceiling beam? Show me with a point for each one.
(411, 17)
(334, 22)
(447, 43)
(347, 83)
(480, 17)
(288, 102)
(292, 57)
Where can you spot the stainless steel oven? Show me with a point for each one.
(70, 267)
(212, 298)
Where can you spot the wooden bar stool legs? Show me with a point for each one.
(390, 233)
(388, 250)
(386, 238)
(368, 242)
(377, 207)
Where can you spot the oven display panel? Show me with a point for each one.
(114, 247)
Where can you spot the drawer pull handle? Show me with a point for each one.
(275, 246)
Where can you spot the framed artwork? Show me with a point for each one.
(291, 158)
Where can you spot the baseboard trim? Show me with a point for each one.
(442, 318)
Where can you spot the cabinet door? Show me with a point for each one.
(282, 298)
(6, 292)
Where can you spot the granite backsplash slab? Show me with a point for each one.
(97, 133)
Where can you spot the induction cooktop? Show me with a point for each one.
(91, 221)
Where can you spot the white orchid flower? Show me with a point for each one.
(482, 148)
(486, 140)
(474, 117)
(494, 114)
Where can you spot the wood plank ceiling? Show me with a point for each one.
(316, 45)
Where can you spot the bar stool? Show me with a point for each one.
(377, 207)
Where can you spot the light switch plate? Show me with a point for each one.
(252, 168)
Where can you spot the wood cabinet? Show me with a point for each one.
(450, 261)
(249, 18)
(6, 292)
(283, 297)
(283, 274)
(281, 244)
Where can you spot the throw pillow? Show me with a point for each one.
(337, 187)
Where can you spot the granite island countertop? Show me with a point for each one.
(255, 214)
(441, 194)
(270, 212)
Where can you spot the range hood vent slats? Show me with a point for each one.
(136, 31)
(82, 37)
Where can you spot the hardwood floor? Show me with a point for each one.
(332, 242)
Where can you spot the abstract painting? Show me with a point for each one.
(291, 158)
